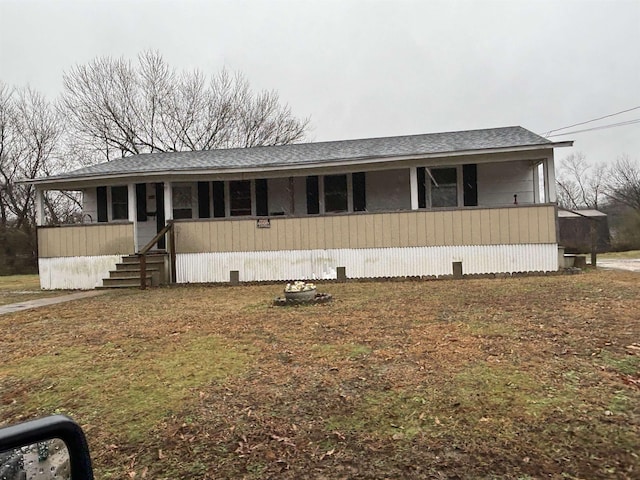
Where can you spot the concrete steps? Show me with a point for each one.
(127, 272)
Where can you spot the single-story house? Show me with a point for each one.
(378, 207)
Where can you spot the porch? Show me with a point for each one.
(512, 238)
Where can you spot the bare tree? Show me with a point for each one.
(116, 108)
(30, 130)
(580, 184)
(30, 133)
(624, 182)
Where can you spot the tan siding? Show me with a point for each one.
(403, 229)
(475, 226)
(317, 231)
(458, 237)
(503, 237)
(543, 227)
(523, 225)
(551, 219)
(439, 228)
(513, 218)
(430, 229)
(378, 230)
(85, 240)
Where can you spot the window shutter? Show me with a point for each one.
(470, 184)
(203, 200)
(313, 195)
(141, 202)
(218, 199)
(262, 198)
(101, 198)
(422, 188)
(359, 192)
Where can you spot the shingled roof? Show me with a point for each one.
(314, 154)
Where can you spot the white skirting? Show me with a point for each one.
(365, 263)
(75, 273)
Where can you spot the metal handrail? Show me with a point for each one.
(142, 254)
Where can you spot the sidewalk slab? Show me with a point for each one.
(43, 302)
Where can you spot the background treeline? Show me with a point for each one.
(112, 108)
(612, 188)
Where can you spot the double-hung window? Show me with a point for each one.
(182, 202)
(240, 198)
(335, 193)
(119, 203)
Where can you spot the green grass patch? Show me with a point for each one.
(141, 382)
(21, 288)
(624, 364)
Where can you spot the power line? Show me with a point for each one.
(602, 127)
(548, 134)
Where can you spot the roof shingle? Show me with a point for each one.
(315, 153)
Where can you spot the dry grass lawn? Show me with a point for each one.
(20, 288)
(507, 378)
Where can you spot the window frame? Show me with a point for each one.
(428, 184)
(175, 207)
(113, 203)
(251, 210)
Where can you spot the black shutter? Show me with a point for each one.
(159, 191)
(218, 199)
(101, 194)
(203, 200)
(262, 198)
(422, 189)
(359, 192)
(313, 195)
(470, 184)
(141, 202)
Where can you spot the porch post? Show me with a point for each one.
(132, 213)
(39, 207)
(549, 180)
(168, 202)
(536, 183)
(413, 180)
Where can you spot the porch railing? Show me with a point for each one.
(142, 254)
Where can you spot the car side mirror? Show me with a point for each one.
(45, 449)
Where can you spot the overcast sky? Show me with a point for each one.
(369, 68)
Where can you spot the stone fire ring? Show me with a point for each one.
(318, 299)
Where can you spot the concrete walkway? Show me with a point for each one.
(43, 302)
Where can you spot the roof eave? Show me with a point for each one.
(57, 181)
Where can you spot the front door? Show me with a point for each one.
(150, 213)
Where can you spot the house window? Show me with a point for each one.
(240, 198)
(182, 202)
(119, 203)
(444, 187)
(335, 193)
